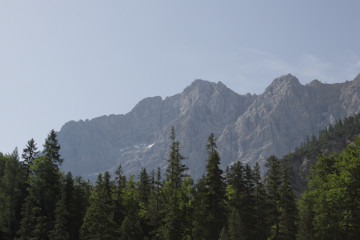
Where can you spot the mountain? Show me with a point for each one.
(249, 127)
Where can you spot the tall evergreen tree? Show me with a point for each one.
(215, 196)
(98, 220)
(156, 204)
(261, 205)
(39, 208)
(173, 226)
(273, 185)
(61, 229)
(29, 153)
(175, 171)
(118, 197)
(144, 186)
(68, 214)
(12, 194)
(200, 210)
(144, 191)
(52, 149)
(131, 227)
(288, 209)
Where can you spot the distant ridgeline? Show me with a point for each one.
(331, 140)
(39, 201)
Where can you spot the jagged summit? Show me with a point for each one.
(248, 127)
(314, 83)
(203, 86)
(283, 83)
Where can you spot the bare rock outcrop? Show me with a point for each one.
(249, 127)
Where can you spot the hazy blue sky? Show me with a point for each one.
(70, 60)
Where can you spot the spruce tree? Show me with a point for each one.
(156, 204)
(12, 194)
(200, 210)
(273, 185)
(131, 227)
(119, 188)
(173, 221)
(215, 195)
(144, 186)
(261, 205)
(98, 221)
(52, 149)
(67, 213)
(288, 210)
(240, 193)
(29, 153)
(61, 229)
(39, 208)
(144, 189)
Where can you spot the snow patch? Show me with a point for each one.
(150, 146)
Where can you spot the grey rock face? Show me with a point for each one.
(249, 127)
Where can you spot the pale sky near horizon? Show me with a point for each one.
(65, 60)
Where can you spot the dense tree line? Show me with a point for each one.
(38, 201)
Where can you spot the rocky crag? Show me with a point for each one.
(248, 127)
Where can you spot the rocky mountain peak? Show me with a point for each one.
(283, 86)
(314, 83)
(249, 128)
(357, 79)
(283, 83)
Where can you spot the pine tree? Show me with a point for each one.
(288, 210)
(273, 187)
(261, 205)
(200, 210)
(235, 191)
(52, 149)
(80, 202)
(175, 171)
(215, 196)
(144, 189)
(131, 227)
(237, 230)
(144, 186)
(12, 194)
(29, 153)
(98, 220)
(173, 226)
(61, 229)
(156, 204)
(39, 208)
(119, 189)
(30, 216)
(67, 212)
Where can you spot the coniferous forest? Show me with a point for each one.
(39, 201)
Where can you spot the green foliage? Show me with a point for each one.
(288, 209)
(331, 202)
(98, 220)
(156, 203)
(330, 140)
(29, 153)
(12, 194)
(40, 202)
(52, 149)
(174, 225)
(261, 210)
(131, 226)
(273, 188)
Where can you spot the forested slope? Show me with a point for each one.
(333, 139)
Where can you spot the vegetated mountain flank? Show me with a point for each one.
(331, 140)
(248, 127)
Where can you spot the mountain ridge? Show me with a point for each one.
(248, 127)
